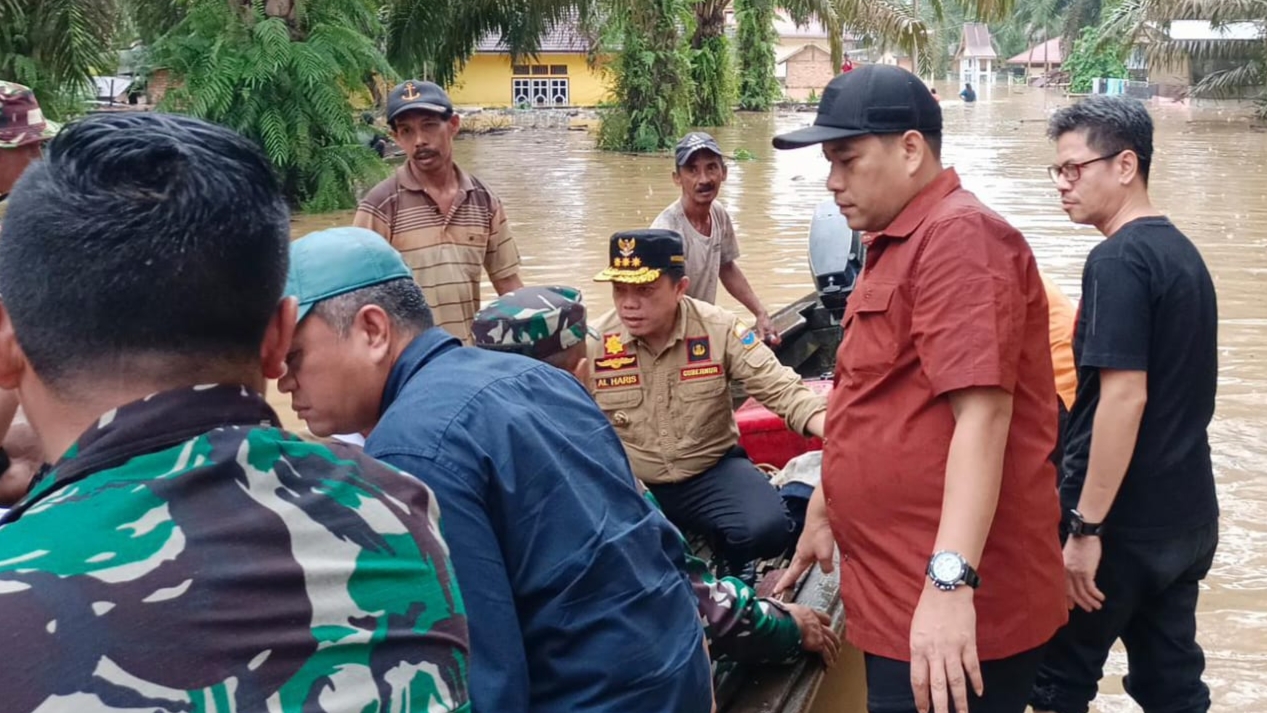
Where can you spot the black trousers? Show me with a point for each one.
(734, 505)
(1008, 683)
(1150, 587)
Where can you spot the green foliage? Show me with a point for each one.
(713, 79)
(758, 87)
(1091, 58)
(652, 78)
(55, 47)
(284, 82)
(742, 154)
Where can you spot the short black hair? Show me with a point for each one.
(401, 299)
(143, 235)
(1112, 124)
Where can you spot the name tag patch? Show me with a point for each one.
(700, 372)
(616, 382)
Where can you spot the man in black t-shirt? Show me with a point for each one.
(1141, 515)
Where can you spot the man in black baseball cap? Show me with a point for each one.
(442, 219)
(414, 95)
(936, 478)
(708, 234)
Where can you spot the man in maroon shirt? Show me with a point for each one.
(936, 481)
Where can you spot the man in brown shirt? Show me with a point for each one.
(661, 372)
(445, 222)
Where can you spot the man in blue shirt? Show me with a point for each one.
(574, 593)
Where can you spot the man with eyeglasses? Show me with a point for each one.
(1140, 512)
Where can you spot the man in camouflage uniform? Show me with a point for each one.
(183, 552)
(23, 130)
(548, 323)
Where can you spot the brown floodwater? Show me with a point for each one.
(564, 198)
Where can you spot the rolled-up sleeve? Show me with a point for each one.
(969, 304)
(766, 379)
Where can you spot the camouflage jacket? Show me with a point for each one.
(739, 625)
(186, 554)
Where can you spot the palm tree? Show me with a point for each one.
(280, 72)
(712, 72)
(1146, 23)
(55, 47)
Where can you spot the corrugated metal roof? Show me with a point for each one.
(1043, 53)
(564, 37)
(976, 42)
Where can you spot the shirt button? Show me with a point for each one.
(663, 432)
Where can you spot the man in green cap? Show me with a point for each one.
(662, 371)
(548, 324)
(572, 582)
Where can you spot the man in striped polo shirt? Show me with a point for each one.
(445, 222)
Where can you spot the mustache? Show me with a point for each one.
(426, 153)
(706, 188)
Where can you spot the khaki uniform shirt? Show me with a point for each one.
(445, 252)
(673, 410)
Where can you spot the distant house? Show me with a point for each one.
(558, 76)
(1039, 60)
(806, 72)
(1174, 78)
(976, 54)
(793, 55)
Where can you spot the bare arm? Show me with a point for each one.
(1123, 395)
(8, 409)
(736, 283)
(510, 283)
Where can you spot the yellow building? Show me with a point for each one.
(558, 76)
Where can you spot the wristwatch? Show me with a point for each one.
(1079, 527)
(949, 570)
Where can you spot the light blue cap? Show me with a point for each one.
(329, 263)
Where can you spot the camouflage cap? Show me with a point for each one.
(534, 321)
(21, 121)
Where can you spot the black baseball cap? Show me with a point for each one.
(693, 142)
(873, 99)
(417, 95)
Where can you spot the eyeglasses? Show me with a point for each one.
(1071, 172)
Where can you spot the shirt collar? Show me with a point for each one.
(408, 181)
(919, 208)
(150, 424)
(421, 351)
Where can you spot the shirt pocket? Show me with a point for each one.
(619, 406)
(701, 410)
(870, 344)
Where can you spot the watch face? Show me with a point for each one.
(947, 568)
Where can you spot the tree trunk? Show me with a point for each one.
(711, 70)
(757, 86)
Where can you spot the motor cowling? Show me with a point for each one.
(835, 257)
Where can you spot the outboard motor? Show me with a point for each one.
(835, 257)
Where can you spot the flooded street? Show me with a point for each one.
(564, 199)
